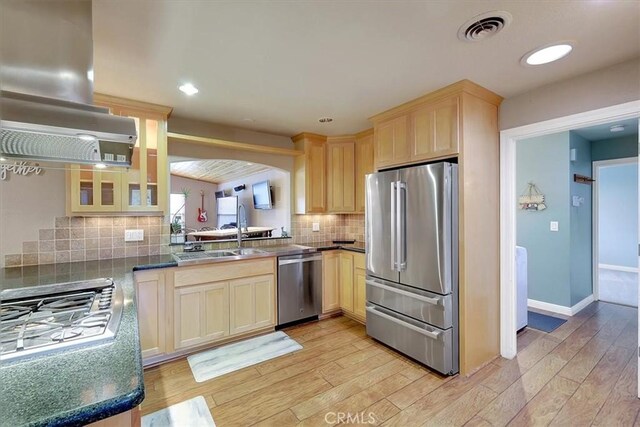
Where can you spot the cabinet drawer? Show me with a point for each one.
(223, 271)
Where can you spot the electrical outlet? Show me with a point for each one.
(133, 235)
(315, 226)
(553, 226)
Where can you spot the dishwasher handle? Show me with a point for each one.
(286, 261)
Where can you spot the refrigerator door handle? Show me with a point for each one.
(429, 334)
(433, 301)
(401, 205)
(394, 263)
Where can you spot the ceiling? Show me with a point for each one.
(600, 132)
(216, 171)
(278, 66)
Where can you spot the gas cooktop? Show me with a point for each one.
(44, 319)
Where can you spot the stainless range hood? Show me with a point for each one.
(40, 128)
(47, 88)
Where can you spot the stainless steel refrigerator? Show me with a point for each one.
(412, 262)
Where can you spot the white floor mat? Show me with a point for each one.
(193, 413)
(214, 363)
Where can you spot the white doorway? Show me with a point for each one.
(508, 202)
(615, 231)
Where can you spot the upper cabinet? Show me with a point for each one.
(427, 128)
(391, 142)
(341, 164)
(310, 174)
(433, 129)
(141, 188)
(364, 165)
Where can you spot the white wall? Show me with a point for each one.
(280, 215)
(602, 88)
(194, 186)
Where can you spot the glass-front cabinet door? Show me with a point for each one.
(141, 188)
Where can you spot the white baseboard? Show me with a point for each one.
(560, 309)
(618, 268)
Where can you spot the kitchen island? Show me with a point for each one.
(84, 384)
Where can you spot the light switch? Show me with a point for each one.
(133, 235)
(553, 226)
(315, 226)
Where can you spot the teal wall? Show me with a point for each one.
(580, 222)
(615, 148)
(618, 215)
(545, 161)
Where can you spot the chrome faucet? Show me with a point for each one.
(241, 222)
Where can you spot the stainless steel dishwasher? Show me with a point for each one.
(299, 287)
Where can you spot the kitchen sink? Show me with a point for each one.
(248, 251)
(194, 256)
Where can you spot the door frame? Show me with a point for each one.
(597, 165)
(508, 202)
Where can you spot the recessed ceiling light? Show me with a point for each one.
(547, 54)
(100, 166)
(616, 128)
(249, 164)
(2, 159)
(325, 119)
(188, 88)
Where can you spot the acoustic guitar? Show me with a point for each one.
(202, 214)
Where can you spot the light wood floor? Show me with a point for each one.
(583, 373)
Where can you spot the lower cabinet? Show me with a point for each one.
(201, 314)
(343, 283)
(251, 303)
(150, 297)
(181, 308)
(346, 281)
(330, 281)
(359, 286)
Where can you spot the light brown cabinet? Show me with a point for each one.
(181, 309)
(150, 297)
(364, 165)
(346, 281)
(359, 286)
(251, 302)
(310, 192)
(141, 188)
(201, 314)
(391, 142)
(330, 281)
(341, 164)
(434, 129)
(343, 283)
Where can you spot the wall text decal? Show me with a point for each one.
(19, 168)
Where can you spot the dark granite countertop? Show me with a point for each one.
(326, 246)
(83, 385)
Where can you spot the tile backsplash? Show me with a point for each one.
(332, 227)
(87, 239)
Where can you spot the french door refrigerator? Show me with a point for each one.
(411, 248)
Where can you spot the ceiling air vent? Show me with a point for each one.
(483, 26)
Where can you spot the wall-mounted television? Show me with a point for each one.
(262, 195)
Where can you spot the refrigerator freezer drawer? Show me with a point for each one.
(421, 305)
(429, 345)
